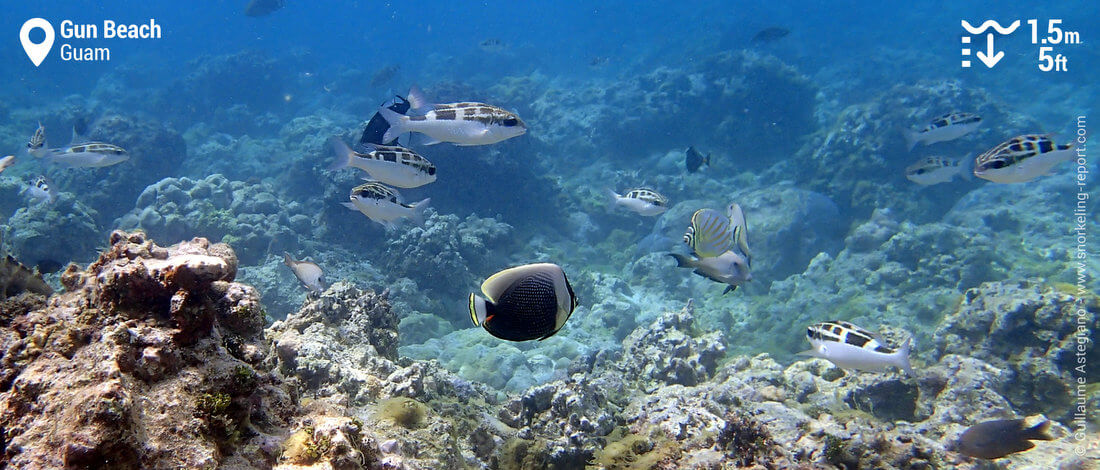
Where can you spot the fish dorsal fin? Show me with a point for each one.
(78, 138)
(417, 101)
(500, 282)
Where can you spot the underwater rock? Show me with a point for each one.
(788, 226)
(1030, 330)
(671, 351)
(54, 233)
(247, 216)
(151, 358)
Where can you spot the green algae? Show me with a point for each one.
(629, 451)
(402, 411)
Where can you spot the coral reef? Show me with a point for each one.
(152, 357)
(53, 234)
(247, 216)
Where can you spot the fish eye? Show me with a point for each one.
(996, 164)
(510, 122)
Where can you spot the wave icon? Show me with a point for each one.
(990, 24)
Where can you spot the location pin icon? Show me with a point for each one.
(37, 52)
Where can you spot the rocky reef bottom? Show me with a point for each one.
(155, 358)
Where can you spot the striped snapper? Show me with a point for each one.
(851, 347)
(382, 204)
(1021, 159)
(935, 170)
(709, 234)
(643, 201)
(392, 165)
(950, 126)
(465, 123)
(76, 155)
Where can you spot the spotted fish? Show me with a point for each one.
(76, 155)
(710, 233)
(465, 123)
(1021, 159)
(382, 204)
(392, 165)
(643, 201)
(851, 347)
(936, 170)
(950, 126)
(526, 302)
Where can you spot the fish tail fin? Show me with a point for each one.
(706, 160)
(902, 356)
(418, 211)
(287, 260)
(911, 139)
(397, 122)
(1038, 432)
(681, 260)
(479, 309)
(344, 154)
(966, 168)
(612, 198)
(416, 99)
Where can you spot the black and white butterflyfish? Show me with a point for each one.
(526, 302)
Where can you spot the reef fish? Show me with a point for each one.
(392, 165)
(950, 126)
(16, 278)
(998, 438)
(377, 126)
(464, 123)
(263, 7)
(39, 191)
(740, 230)
(935, 170)
(771, 34)
(727, 268)
(6, 162)
(492, 45)
(526, 302)
(640, 200)
(851, 347)
(1021, 159)
(307, 272)
(384, 75)
(710, 233)
(693, 159)
(382, 204)
(76, 155)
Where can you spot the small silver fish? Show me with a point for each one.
(1021, 159)
(392, 165)
(851, 347)
(464, 123)
(728, 268)
(382, 204)
(6, 162)
(307, 272)
(642, 201)
(936, 170)
(39, 191)
(950, 126)
(76, 155)
(493, 45)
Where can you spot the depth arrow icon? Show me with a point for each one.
(989, 58)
